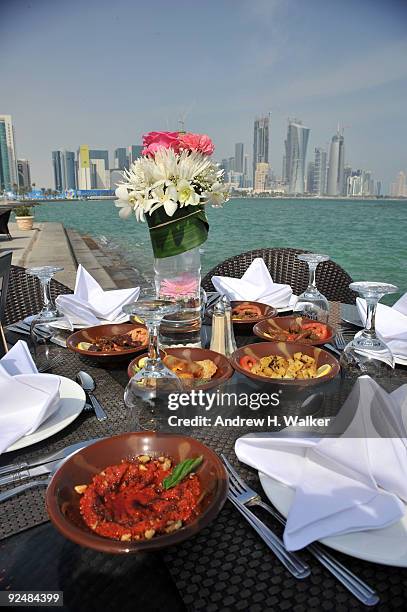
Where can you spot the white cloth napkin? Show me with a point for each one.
(352, 482)
(391, 324)
(90, 304)
(256, 285)
(27, 398)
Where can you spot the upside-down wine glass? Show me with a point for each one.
(367, 353)
(45, 274)
(311, 303)
(147, 391)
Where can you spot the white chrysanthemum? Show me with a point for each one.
(164, 196)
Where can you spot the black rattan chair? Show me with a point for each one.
(284, 267)
(5, 266)
(4, 219)
(24, 296)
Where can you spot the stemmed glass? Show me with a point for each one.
(147, 390)
(312, 304)
(44, 274)
(367, 353)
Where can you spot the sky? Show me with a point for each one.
(104, 72)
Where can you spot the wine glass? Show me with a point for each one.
(44, 274)
(44, 334)
(147, 391)
(367, 353)
(311, 303)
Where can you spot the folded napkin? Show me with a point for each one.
(353, 482)
(255, 285)
(90, 304)
(391, 324)
(27, 398)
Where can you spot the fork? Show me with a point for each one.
(358, 588)
(48, 366)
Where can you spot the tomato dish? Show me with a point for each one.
(141, 498)
(134, 338)
(246, 312)
(299, 331)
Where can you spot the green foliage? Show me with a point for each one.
(23, 211)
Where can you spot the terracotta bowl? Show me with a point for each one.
(286, 349)
(92, 334)
(283, 324)
(63, 502)
(246, 327)
(223, 373)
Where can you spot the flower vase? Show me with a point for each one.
(178, 278)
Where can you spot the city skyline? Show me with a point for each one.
(280, 56)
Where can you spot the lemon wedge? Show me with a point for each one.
(323, 370)
(136, 319)
(84, 346)
(142, 362)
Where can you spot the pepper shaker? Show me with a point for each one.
(218, 329)
(230, 342)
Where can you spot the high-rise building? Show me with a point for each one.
(8, 157)
(121, 160)
(399, 188)
(378, 190)
(116, 177)
(320, 170)
(63, 163)
(24, 175)
(134, 151)
(93, 168)
(239, 157)
(295, 154)
(261, 140)
(261, 177)
(336, 184)
(360, 183)
(310, 177)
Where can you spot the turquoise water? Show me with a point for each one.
(367, 238)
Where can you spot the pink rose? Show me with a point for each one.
(153, 140)
(196, 142)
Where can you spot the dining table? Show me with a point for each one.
(226, 566)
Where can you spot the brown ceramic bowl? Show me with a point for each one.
(286, 349)
(223, 373)
(279, 324)
(92, 334)
(245, 326)
(63, 502)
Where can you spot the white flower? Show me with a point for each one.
(166, 197)
(217, 195)
(122, 193)
(125, 212)
(186, 194)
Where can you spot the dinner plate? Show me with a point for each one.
(387, 546)
(72, 401)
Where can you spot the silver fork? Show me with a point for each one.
(355, 585)
(291, 561)
(48, 366)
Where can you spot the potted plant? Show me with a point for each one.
(24, 217)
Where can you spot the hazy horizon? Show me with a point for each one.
(103, 75)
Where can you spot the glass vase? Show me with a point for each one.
(178, 278)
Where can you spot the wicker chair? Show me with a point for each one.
(284, 267)
(5, 267)
(24, 295)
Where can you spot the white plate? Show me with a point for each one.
(387, 545)
(73, 399)
(66, 327)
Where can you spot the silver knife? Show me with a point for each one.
(24, 466)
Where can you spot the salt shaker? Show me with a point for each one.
(230, 342)
(218, 329)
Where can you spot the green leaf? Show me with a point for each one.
(180, 471)
(185, 230)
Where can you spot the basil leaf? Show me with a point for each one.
(180, 471)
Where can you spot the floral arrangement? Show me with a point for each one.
(169, 185)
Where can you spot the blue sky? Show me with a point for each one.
(104, 72)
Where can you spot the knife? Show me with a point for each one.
(24, 467)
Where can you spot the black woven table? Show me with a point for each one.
(225, 567)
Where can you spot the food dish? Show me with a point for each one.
(63, 502)
(299, 366)
(72, 401)
(387, 545)
(289, 352)
(142, 498)
(192, 364)
(108, 338)
(294, 329)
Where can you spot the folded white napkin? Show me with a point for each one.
(27, 398)
(255, 285)
(353, 482)
(391, 324)
(90, 304)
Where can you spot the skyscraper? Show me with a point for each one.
(8, 157)
(336, 183)
(24, 175)
(134, 152)
(295, 154)
(320, 170)
(261, 139)
(239, 157)
(121, 160)
(93, 168)
(261, 177)
(63, 163)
